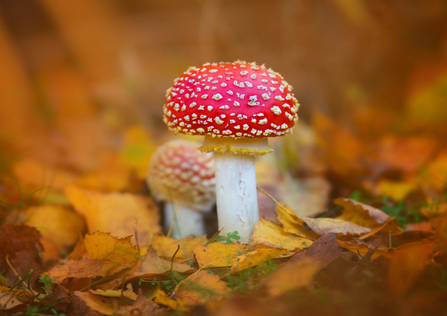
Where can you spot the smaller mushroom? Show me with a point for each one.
(179, 169)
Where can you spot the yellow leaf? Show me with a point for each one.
(103, 246)
(363, 249)
(218, 255)
(397, 190)
(116, 293)
(291, 223)
(166, 246)
(273, 235)
(58, 225)
(97, 303)
(359, 213)
(255, 257)
(116, 213)
(291, 277)
(201, 287)
(163, 299)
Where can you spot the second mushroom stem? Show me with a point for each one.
(236, 194)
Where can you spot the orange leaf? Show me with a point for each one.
(201, 287)
(116, 213)
(218, 255)
(406, 264)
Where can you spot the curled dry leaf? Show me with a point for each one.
(116, 213)
(359, 213)
(116, 293)
(324, 226)
(273, 235)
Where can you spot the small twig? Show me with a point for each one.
(136, 234)
(175, 253)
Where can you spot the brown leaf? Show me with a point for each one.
(406, 264)
(85, 268)
(8, 300)
(323, 251)
(21, 244)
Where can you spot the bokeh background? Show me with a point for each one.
(82, 84)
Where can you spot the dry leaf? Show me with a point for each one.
(115, 293)
(79, 269)
(255, 257)
(116, 213)
(406, 264)
(162, 298)
(58, 225)
(97, 303)
(324, 226)
(201, 287)
(291, 277)
(166, 247)
(117, 254)
(218, 255)
(359, 213)
(273, 235)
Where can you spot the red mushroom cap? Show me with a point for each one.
(180, 167)
(238, 100)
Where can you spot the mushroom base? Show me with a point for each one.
(236, 195)
(249, 146)
(187, 222)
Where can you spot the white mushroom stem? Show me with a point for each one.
(234, 164)
(237, 203)
(190, 221)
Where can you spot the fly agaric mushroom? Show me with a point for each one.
(236, 106)
(180, 168)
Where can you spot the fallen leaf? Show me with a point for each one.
(291, 277)
(406, 264)
(166, 247)
(292, 223)
(117, 254)
(57, 224)
(268, 233)
(115, 293)
(323, 251)
(85, 268)
(218, 255)
(324, 226)
(162, 298)
(257, 256)
(201, 287)
(116, 213)
(152, 265)
(359, 213)
(396, 190)
(97, 303)
(142, 305)
(362, 249)
(8, 300)
(405, 154)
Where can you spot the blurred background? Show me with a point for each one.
(82, 86)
